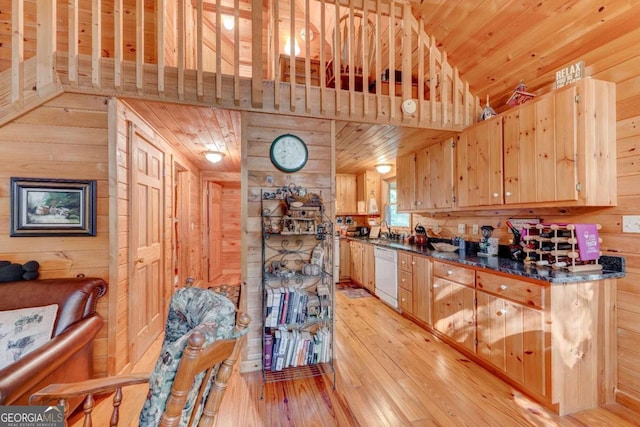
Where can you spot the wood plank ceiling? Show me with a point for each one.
(494, 44)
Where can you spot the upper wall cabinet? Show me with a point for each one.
(345, 194)
(479, 164)
(425, 179)
(368, 191)
(558, 150)
(406, 181)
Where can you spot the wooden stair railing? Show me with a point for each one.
(180, 56)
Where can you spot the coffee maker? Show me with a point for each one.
(485, 244)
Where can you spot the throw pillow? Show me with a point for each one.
(24, 330)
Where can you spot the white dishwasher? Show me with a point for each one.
(387, 275)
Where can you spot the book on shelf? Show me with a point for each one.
(286, 295)
(275, 349)
(267, 349)
(292, 337)
(268, 320)
(282, 348)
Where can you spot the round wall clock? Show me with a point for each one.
(289, 153)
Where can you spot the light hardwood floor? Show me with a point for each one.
(389, 372)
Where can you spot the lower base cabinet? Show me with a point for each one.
(345, 260)
(511, 338)
(414, 290)
(549, 340)
(454, 303)
(362, 262)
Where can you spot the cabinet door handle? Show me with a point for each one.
(403, 280)
(508, 193)
(501, 312)
(435, 286)
(495, 195)
(503, 287)
(418, 203)
(413, 263)
(449, 272)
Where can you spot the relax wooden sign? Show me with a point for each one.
(569, 74)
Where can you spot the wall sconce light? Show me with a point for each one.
(287, 46)
(383, 168)
(228, 22)
(213, 156)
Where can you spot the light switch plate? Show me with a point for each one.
(475, 229)
(461, 228)
(631, 223)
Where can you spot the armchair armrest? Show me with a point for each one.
(25, 375)
(97, 386)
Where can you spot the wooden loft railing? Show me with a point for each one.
(177, 51)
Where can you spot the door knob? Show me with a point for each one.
(138, 261)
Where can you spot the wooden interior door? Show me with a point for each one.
(214, 215)
(146, 281)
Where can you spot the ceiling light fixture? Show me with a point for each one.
(213, 156)
(383, 168)
(228, 22)
(287, 47)
(303, 34)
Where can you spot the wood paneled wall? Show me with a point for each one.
(258, 131)
(123, 117)
(66, 138)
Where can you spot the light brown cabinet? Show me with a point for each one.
(547, 339)
(511, 328)
(368, 268)
(355, 262)
(479, 164)
(453, 307)
(426, 178)
(363, 265)
(367, 187)
(345, 260)
(561, 148)
(556, 150)
(345, 194)
(414, 286)
(406, 182)
(435, 176)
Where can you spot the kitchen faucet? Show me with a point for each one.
(386, 225)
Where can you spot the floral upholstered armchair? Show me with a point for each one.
(201, 344)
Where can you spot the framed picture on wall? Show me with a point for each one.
(52, 207)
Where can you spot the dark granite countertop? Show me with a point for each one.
(613, 267)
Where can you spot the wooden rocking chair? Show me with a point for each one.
(189, 380)
(350, 50)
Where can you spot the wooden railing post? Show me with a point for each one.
(46, 45)
(96, 43)
(73, 42)
(256, 54)
(17, 51)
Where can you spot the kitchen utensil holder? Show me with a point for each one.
(556, 245)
